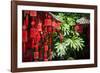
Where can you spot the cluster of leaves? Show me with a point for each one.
(72, 40)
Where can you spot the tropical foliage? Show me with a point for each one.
(72, 41)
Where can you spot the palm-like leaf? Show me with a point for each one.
(60, 49)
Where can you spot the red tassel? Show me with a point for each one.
(38, 37)
(50, 57)
(50, 51)
(32, 43)
(36, 55)
(45, 48)
(45, 54)
(26, 21)
(32, 32)
(46, 42)
(46, 59)
(50, 54)
(24, 36)
(46, 14)
(36, 47)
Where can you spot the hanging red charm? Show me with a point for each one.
(45, 56)
(26, 20)
(39, 27)
(33, 33)
(49, 16)
(33, 22)
(47, 22)
(24, 27)
(33, 13)
(54, 24)
(78, 28)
